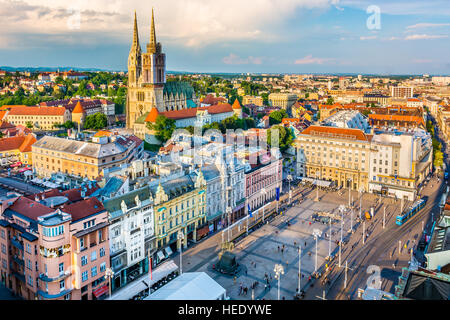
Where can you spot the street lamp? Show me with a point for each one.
(349, 190)
(299, 267)
(264, 193)
(360, 200)
(279, 270)
(109, 273)
(316, 233)
(289, 178)
(180, 236)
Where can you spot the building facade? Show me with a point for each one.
(54, 253)
(132, 235)
(41, 118)
(334, 154)
(81, 158)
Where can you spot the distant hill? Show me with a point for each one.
(50, 69)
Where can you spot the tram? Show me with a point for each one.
(411, 211)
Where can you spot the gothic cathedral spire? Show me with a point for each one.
(151, 48)
(136, 32)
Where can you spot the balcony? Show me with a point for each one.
(18, 260)
(61, 276)
(16, 243)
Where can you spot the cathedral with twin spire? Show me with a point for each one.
(147, 86)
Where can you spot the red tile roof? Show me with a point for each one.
(30, 208)
(83, 209)
(391, 117)
(236, 104)
(27, 143)
(11, 143)
(78, 108)
(192, 112)
(330, 132)
(152, 115)
(38, 111)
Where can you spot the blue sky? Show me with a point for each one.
(283, 36)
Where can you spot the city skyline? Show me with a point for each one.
(290, 37)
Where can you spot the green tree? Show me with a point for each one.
(330, 101)
(438, 159)
(285, 137)
(95, 121)
(29, 125)
(277, 116)
(164, 128)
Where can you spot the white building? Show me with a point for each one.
(224, 175)
(348, 119)
(414, 103)
(399, 162)
(131, 233)
(443, 81)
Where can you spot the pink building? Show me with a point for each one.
(54, 252)
(267, 175)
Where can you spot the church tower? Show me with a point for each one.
(146, 77)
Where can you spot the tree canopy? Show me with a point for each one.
(96, 121)
(164, 128)
(285, 137)
(277, 116)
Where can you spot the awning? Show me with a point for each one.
(203, 231)
(161, 255)
(143, 283)
(100, 291)
(169, 251)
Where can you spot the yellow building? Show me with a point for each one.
(179, 205)
(41, 118)
(283, 100)
(334, 154)
(17, 148)
(256, 100)
(81, 158)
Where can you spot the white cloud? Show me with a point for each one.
(427, 25)
(311, 60)
(235, 59)
(368, 38)
(425, 37)
(184, 22)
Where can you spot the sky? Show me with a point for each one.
(233, 36)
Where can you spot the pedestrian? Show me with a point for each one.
(265, 287)
(278, 248)
(234, 280)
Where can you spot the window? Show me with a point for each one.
(93, 256)
(84, 276)
(102, 252)
(100, 235)
(2, 234)
(3, 248)
(84, 260)
(94, 271)
(81, 243)
(62, 285)
(103, 267)
(61, 268)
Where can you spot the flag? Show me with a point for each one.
(278, 194)
(249, 211)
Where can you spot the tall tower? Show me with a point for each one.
(154, 61)
(146, 77)
(134, 66)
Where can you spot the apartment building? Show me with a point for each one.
(17, 148)
(399, 162)
(282, 100)
(179, 205)
(334, 154)
(82, 158)
(132, 235)
(256, 100)
(41, 118)
(402, 92)
(54, 249)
